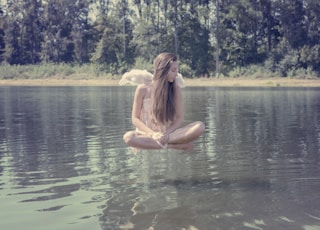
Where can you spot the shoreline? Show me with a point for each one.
(199, 82)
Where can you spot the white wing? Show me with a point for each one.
(180, 81)
(136, 77)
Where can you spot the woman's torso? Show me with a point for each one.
(146, 112)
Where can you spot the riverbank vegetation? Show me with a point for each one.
(91, 71)
(98, 38)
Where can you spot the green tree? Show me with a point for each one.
(310, 52)
(283, 35)
(57, 45)
(294, 50)
(12, 32)
(242, 38)
(81, 29)
(32, 33)
(22, 32)
(114, 44)
(194, 44)
(270, 25)
(2, 43)
(66, 31)
(151, 33)
(105, 52)
(291, 14)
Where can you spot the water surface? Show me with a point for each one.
(63, 164)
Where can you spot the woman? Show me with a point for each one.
(157, 111)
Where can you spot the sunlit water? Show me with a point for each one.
(63, 164)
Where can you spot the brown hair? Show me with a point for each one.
(163, 92)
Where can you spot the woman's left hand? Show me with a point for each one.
(161, 137)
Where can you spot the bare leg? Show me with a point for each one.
(187, 133)
(140, 141)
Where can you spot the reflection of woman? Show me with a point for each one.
(157, 111)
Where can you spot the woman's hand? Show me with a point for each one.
(163, 138)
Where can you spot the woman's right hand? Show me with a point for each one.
(160, 137)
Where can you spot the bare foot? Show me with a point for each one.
(134, 150)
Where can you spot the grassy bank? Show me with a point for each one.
(95, 75)
(225, 82)
(53, 71)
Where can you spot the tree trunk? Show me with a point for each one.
(176, 27)
(217, 40)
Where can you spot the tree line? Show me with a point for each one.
(209, 36)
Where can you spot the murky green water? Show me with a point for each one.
(63, 164)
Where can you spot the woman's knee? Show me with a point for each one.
(128, 137)
(199, 127)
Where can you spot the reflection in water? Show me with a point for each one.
(62, 158)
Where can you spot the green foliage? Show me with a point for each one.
(194, 50)
(50, 70)
(143, 34)
(252, 71)
(247, 37)
(22, 35)
(105, 52)
(141, 63)
(310, 57)
(186, 70)
(291, 17)
(302, 73)
(289, 62)
(8, 72)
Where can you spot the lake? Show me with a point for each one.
(63, 163)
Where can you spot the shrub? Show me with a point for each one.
(142, 64)
(186, 70)
(302, 73)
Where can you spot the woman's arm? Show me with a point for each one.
(139, 95)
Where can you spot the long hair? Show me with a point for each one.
(163, 92)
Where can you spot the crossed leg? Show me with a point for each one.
(179, 139)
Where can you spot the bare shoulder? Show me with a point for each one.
(142, 88)
(141, 91)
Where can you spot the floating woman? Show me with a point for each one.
(157, 111)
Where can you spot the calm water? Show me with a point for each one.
(63, 164)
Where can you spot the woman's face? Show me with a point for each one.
(173, 71)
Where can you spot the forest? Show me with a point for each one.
(211, 37)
